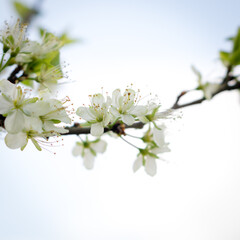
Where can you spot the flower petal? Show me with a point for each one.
(114, 112)
(128, 119)
(138, 163)
(138, 110)
(158, 137)
(7, 88)
(88, 159)
(5, 106)
(97, 129)
(37, 109)
(49, 126)
(33, 123)
(143, 119)
(150, 166)
(99, 146)
(77, 150)
(15, 141)
(14, 122)
(97, 99)
(84, 113)
(115, 98)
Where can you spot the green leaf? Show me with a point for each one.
(42, 31)
(235, 58)
(28, 83)
(198, 74)
(225, 58)
(66, 39)
(236, 41)
(22, 10)
(55, 61)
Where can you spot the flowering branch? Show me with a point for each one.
(229, 83)
(40, 117)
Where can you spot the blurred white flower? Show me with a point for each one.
(156, 145)
(209, 89)
(13, 36)
(153, 113)
(88, 151)
(34, 50)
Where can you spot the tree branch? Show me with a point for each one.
(13, 76)
(118, 128)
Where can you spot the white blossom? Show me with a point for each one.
(88, 151)
(124, 106)
(209, 89)
(153, 114)
(34, 50)
(13, 36)
(156, 145)
(96, 114)
(48, 77)
(49, 112)
(12, 102)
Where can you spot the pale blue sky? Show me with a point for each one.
(151, 44)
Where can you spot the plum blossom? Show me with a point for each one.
(96, 114)
(34, 50)
(153, 114)
(124, 106)
(88, 151)
(209, 89)
(147, 158)
(48, 77)
(49, 112)
(12, 103)
(20, 139)
(156, 144)
(13, 36)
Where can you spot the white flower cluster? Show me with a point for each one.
(39, 61)
(32, 118)
(29, 118)
(156, 144)
(124, 108)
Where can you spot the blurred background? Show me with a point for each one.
(151, 44)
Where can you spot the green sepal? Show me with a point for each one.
(23, 147)
(55, 121)
(36, 144)
(30, 100)
(93, 152)
(155, 125)
(152, 155)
